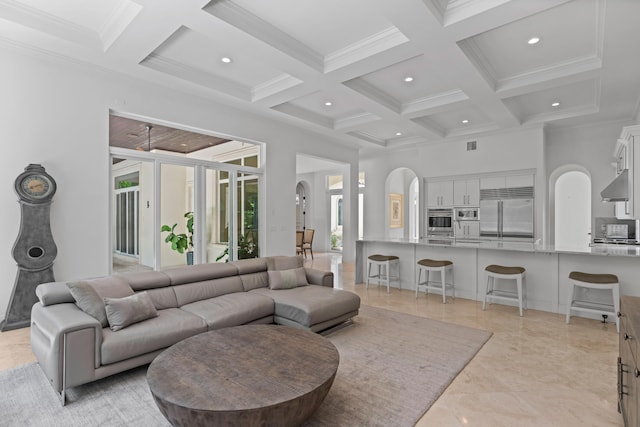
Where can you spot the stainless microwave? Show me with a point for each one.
(440, 221)
(466, 214)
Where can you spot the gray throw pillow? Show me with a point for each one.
(122, 312)
(88, 300)
(287, 279)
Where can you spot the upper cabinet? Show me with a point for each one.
(629, 156)
(466, 192)
(439, 194)
(508, 181)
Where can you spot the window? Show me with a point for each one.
(126, 234)
(155, 188)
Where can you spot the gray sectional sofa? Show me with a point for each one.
(146, 312)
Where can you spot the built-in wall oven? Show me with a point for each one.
(440, 222)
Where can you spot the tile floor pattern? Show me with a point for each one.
(534, 371)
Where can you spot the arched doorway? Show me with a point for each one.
(301, 207)
(572, 209)
(402, 195)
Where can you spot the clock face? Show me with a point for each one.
(36, 186)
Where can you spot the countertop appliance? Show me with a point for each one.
(440, 222)
(466, 214)
(613, 231)
(507, 212)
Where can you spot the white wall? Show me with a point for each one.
(516, 150)
(56, 113)
(591, 148)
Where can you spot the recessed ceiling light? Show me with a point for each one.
(183, 145)
(328, 103)
(534, 40)
(465, 121)
(398, 133)
(225, 59)
(555, 104)
(408, 79)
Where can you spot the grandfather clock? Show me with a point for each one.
(34, 249)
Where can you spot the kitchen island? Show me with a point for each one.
(547, 266)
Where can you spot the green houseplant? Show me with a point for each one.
(181, 242)
(247, 246)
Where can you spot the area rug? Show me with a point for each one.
(393, 366)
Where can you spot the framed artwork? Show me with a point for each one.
(396, 216)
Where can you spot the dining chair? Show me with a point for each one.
(299, 241)
(308, 241)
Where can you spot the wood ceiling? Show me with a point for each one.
(133, 135)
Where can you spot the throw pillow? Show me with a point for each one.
(122, 312)
(88, 300)
(287, 279)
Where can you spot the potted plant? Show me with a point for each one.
(247, 246)
(181, 242)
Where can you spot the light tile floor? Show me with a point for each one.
(534, 371)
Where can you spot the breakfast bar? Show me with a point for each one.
(547, 266)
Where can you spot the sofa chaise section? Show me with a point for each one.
(312, 307)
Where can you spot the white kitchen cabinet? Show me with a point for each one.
(520, 180)
(493, 182)
(466, 192)
(508, 181)
(466, 229)
(622, 160)
(440, 193)
(630, 137)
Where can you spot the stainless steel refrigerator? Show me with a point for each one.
(506, 218)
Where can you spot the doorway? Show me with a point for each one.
(301, 207)
(573, 209)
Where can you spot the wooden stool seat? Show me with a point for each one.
(441, 266)
(494, 272)
(433, 263)
(593, 278)
(579, 279)
(501, 269)
(384, 263)
(382, 258)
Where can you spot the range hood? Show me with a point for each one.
(618, 190)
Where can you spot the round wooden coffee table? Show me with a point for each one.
(253, 375)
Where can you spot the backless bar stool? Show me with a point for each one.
(511, 273)
(384, 263)
(429, 265)
(610, 282)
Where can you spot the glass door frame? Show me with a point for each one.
(200, 167)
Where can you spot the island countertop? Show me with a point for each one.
(513, 245)
(547, 266)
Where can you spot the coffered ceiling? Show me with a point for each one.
(340, 68)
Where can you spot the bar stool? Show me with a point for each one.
(610, 282)
(511, 273)
(386, 262)
(429, 265)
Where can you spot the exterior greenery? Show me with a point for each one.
(180, 242)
